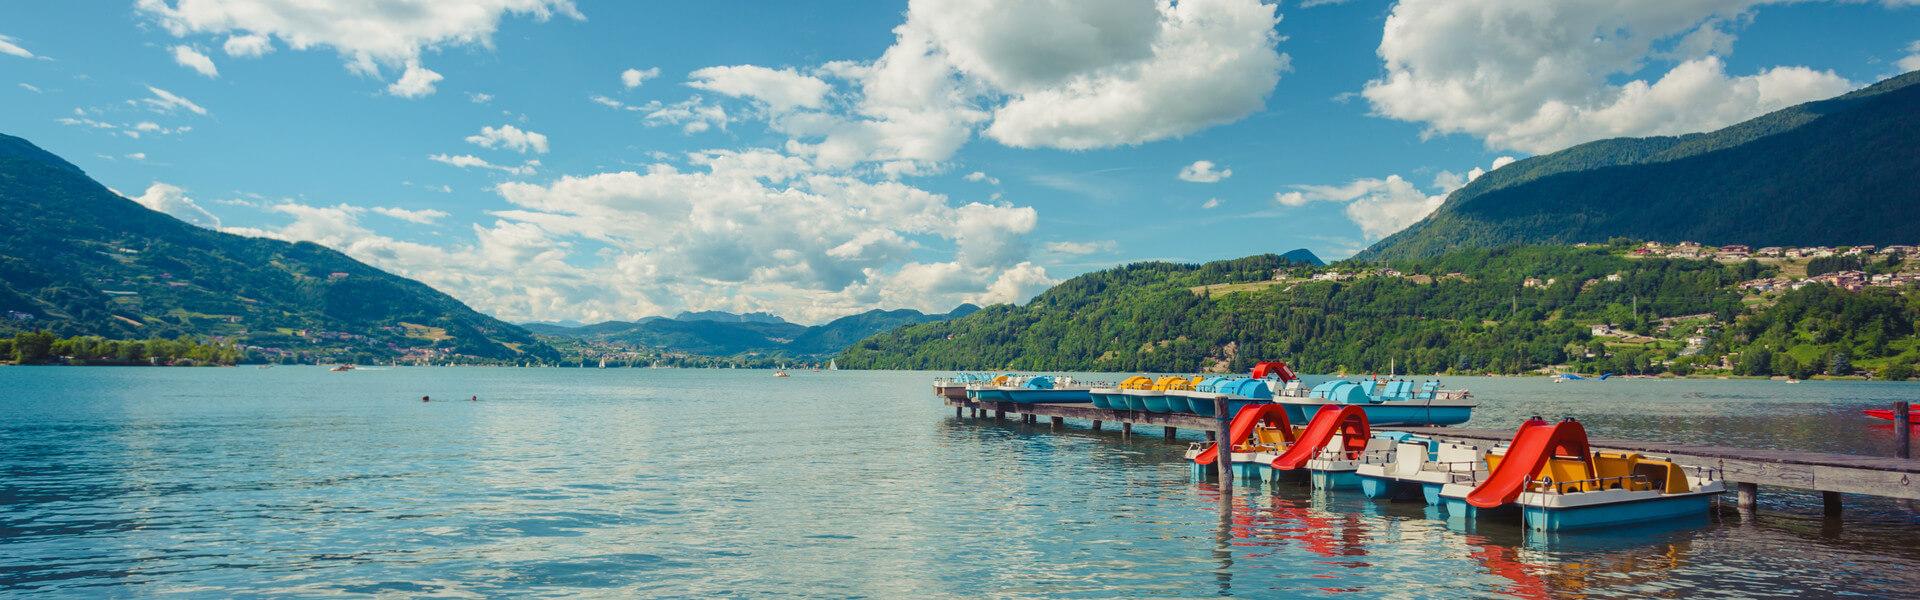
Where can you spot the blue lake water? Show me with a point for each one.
(294, 481)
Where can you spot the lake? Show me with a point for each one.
(622, 482)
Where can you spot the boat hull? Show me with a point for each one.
(1612, 514)
(1388, 488)
(1161, 403)
(1026, 396)
(1415, 413)
(1107, 399)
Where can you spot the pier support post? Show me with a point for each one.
(1096, 425)
(999, 414)
(1831, 502)
(1171, 432)
(1212, 436)
(1059, 422)
(1902, 429)
(956, 411)
(1749, 496)
(1126, 429)
(1223, 444)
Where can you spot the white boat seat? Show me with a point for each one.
(1408, 458)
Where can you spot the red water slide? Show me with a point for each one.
(1348, 421)
(1536, 443)
(1272, 414)
(1275, 368)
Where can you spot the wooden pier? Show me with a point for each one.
(1745, 469)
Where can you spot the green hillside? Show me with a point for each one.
(1832, 172)
(78, 259)
(1507, 310)
(720, 334)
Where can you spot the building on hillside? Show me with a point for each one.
(1770, 252)
(1898, 250)
(1603, 330)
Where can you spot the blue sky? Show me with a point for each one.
(815, 159)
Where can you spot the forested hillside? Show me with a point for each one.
(79, 259)
(1837, 171)
(1508, 310)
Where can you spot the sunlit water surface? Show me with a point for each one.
(621, 482)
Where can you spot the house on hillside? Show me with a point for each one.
(1604, 330)
(1770, 252)
(1898, 250)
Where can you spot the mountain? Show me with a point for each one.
(719, 333)
(1833, 172)
(1303, 256)
(727, 317)
(78, 259)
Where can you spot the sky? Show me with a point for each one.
(553, 160)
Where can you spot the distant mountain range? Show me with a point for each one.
(78, 259)
(720, 333)
(1833, 172)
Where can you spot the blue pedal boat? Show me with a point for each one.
(1386, 402)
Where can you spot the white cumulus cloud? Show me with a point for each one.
(415, 82)
(1541, 76)
(170, 199)
(426, 216)
(247, 46)
(368, 34)
(10, 47)
(509, 137)
(632, 78)
(167, 102)
(780, 89)
(466, 161)
(188, 57)
(1382, 207)
(1202, 171)
(1912, 60)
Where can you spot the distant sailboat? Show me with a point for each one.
(833, 365)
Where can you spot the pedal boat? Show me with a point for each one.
(1261, 434)
(1558, 483)
(1387, 402)
(1047, 388)
(1418, 467)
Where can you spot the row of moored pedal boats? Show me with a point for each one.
(1547, 475)
(1386, 401)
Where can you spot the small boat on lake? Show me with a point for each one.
(1114, 397)
(1259, 436)
(1418, 466)
(1331, 447)
(1023, 389)
(1558, 483)
(341, 368)
(1264, 380)
(1386, 401)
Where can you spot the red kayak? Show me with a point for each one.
(1886, 414)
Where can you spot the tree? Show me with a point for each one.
(1755, 361)
(1897, 371)
(1838, 363)
(33, 347)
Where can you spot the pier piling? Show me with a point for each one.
(1902, 429)
(1749, 496)
(1059, 422)
(1096, 425)
(1171, 432)
(1831, 502)
(1126, 430)
(1223, 453)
